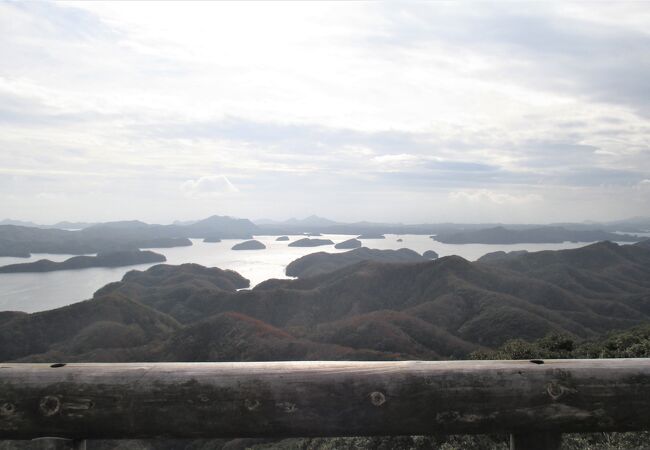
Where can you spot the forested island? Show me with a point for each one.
(108, 259)
(322, 262)
(307, 242)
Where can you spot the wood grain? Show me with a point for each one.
(283, 399)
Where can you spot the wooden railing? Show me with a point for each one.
(535, 401)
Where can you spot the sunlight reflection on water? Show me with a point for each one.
(32, 292)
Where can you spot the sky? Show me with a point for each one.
(394, 112)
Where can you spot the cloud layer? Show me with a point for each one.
(406, 112)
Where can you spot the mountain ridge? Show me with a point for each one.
(440, 309)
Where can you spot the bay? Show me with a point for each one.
(32, 292)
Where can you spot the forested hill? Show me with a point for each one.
(439, 309)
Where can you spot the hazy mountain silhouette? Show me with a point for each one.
(542, 235)
(122, 235)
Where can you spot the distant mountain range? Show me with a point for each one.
(316, 224)
(311, 221)
(19, 240)
(541, 235)
(60, 225)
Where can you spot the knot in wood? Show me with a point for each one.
(7, 409)
(287, 407)
(377, 398)
(555, 390)
(252, 405)
(50, 405)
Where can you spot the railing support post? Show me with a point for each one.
(535, 441)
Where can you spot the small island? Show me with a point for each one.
(306, 242)
(350, 243)
(430, 254)
(108, 259)
(400, 240)
(211, 240)
(283, 238)
(249, 245)
(371, 236)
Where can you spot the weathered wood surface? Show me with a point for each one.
(191, 400)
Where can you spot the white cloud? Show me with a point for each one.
(359, 99)
(487, 196)
(397, 162)
(208, 186)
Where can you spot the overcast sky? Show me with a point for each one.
(409, 112)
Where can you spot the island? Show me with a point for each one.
(350, 243)
(283, 238)
(211, 240)
(306, 242)
(249, 245)
(400, 240)
(430, 254)
(371, 236)
(108, 259)
(322, 262)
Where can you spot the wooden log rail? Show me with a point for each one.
(535, 400)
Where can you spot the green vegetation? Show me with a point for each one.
(322, 262)
(592, 302)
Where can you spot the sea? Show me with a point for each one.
(33, 292)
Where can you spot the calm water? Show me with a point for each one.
(32, 292)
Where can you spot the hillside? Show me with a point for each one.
(432, 310)
(94, 330)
